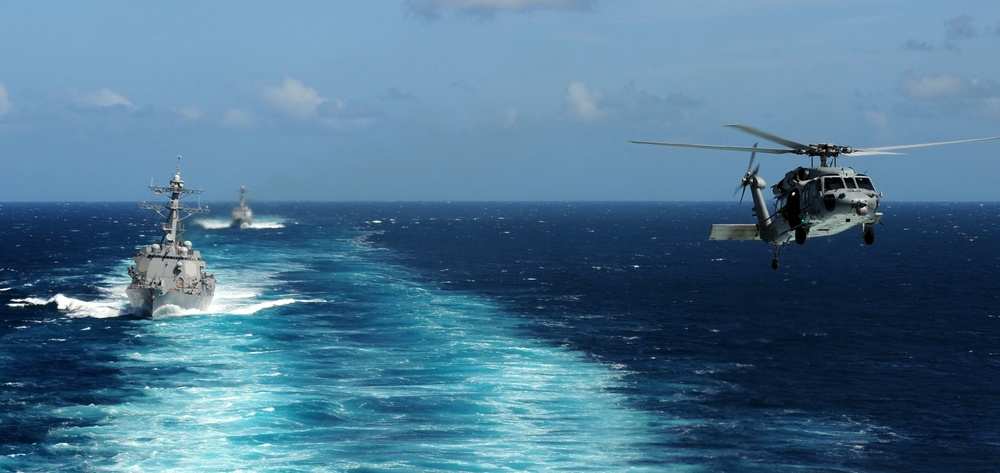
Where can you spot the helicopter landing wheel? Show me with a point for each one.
(774, 263)
(800, 235)
(869, 234)
(777, 253)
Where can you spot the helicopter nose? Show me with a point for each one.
(861, 208)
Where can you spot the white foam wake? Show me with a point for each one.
(76, 307)
(229, 308)
(259, 224)
(254, 308)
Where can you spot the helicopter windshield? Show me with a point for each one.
(833, 183)
(865, 183)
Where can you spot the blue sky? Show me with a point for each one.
(488, 99)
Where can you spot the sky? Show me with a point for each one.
(488, 100)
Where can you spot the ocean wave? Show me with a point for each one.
(76, 307)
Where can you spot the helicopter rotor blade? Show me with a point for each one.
(720, 147)
(770, 137)
(880, 149)
(823, 151)
(872, 153)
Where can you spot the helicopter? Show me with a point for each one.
(809, 202)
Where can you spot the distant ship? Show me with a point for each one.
(242, 215)
(169, 272)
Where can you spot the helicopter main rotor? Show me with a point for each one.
(823, 151)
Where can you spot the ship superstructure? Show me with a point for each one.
(169, 271)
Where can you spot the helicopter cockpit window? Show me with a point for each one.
(850, 183)
(833, 183)
(865, 183)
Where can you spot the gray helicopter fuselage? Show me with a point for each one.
(827, 200)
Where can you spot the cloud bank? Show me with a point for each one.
(433, 9)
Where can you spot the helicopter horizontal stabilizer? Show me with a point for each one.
(733, 231)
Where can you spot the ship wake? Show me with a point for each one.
(103, 309)
(221, 224)
(77, 307)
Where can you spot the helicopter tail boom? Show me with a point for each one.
(734, 231)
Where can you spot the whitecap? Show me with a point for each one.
(75, 307)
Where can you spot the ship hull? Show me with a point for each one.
(146, 301)
(240, 223)
(241, 216)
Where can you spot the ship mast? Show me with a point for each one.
(173, 228)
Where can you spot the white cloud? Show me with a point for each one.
(945, 86)
(5, 105)
(294, 99)
(239, 119)
(989, 108)
(489, 8)
(102, 99)
(970, 96)
(931, 87)
(584, 103)
(587, 104)
(189, 113)
(339, 116)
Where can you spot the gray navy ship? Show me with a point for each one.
(169, 271)
(241, 215)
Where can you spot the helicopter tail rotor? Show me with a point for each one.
(750, 177)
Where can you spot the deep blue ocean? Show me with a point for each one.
(605, 337)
